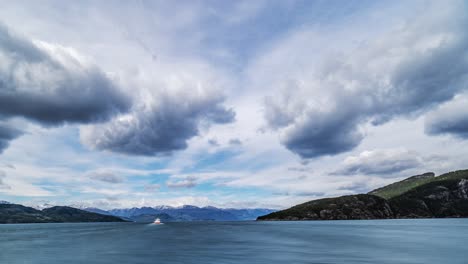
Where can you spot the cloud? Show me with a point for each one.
(450, 118)
(380, 162)
(7, 133)
(170, 114)
(307, 194)
(2, 184)
(10, 166)
(213, 142)
(235, 142)
(152, 187)
(105, 176)
(187, 182)
(52, 84)
(356, 187)
(315, 134)
(322, 100)
(242, 11)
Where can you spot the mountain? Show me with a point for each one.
(194, 213)
(96, 210)
(248, 214)
(131, 212)
(150, 218)
(42, 206)
(361, 206)
(426, 196)
(15, 213)
(403, 186)
(67, 214)
(184, 213)
(440, 198)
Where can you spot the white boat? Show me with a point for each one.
(157, 221)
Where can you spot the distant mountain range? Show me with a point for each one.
(184, 213)
(420, 196)
(15, 213)
(45, 213)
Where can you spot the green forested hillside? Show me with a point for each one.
(403, 186)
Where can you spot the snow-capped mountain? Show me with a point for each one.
(186, 213)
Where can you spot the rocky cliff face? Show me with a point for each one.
(361, 206)
(437, 199)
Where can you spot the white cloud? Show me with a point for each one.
(52, 84)
(174, 105)
(187, 182)
(381, 162)
(319, 102)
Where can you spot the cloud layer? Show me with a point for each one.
(380, 162)
(52, 84)
(326, 99)
(173, 110)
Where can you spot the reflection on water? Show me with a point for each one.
(382, 241)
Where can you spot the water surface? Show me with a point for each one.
(381, 241)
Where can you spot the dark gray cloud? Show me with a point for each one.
(419, 83)
(161, 128)
(187, 182)
(105, 176)
(213, 142)
(451, 118)
(235, 142)
(7, 133)
(323, 135)
(312, 132)
(406, 73)
(52, 85)
(381, 162)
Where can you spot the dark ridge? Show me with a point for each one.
(421, 196)
(15, 213)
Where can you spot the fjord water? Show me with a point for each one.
(382, 241)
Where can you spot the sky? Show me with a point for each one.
(242, 104)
